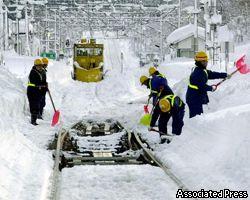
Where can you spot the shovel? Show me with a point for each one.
(146, 118)
(145, 107)
(56, 115)
(241, 66)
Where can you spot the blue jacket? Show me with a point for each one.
(176, 112)
(159, 75)
(154, 84)
(197, 89)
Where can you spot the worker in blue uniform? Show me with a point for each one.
(154, 72)
(196, 94)
(157, 86)
(168, 106)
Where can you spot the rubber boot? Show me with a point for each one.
(33, 120)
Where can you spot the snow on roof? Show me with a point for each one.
(166, 6)
(185, 32)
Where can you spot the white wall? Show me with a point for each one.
(188, 43)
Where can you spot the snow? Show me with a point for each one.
(247, 58)
(95, 182)
(212, 152)
(184, 32)
(216, 19)
(22, 28)
(224, 34)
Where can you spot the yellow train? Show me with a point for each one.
(88, 61)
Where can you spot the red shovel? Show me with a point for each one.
(241, 66)
(56, 115)
(145, 107)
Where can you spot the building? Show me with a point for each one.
(181, 41)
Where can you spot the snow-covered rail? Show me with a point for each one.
(94, 147)
(149, 156)
(56, 173)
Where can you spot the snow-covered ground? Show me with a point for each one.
(212, 152)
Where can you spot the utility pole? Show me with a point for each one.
(212, 19)
(27, 49)
(6, 29)
(179, 14)
(140, 40)
(46, 29)
(196, 12)
(32, 35)
(122, 57)
(161, 25)
(55, 50)
(1, 32)
(59, 27)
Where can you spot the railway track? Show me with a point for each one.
(101, 143)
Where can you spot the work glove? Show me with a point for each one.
(229, 76)
(214, 87)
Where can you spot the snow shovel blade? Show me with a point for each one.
(146, 119)
(55, 118)
(242, 66)
(146, 109)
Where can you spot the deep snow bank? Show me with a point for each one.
(23, 166)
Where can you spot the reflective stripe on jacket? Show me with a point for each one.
(171, 98)
(195, 87)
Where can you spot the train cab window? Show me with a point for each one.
(98, 52)
(81, 52)
(85, 53)
(78, 52)
(89, 52)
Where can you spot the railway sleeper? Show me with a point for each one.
(83, 146)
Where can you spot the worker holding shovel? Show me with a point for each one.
(35, 85)
(35, 91)
(197, 90)
(43, 90)
(168, 106)
(158, 88)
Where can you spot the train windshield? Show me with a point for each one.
(89, 52)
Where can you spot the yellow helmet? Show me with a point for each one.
(152, 70)
(164, 105)
(38, 62)
(143, 79)
(201, 56)
(45, 61)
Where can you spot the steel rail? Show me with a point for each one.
(54, 193)
(164, 167)
(133, 141)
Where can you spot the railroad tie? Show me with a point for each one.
(89, 129)
(107, 129)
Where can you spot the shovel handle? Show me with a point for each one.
(155, 130)
(226, 78)
(229, 75)
(51, 100)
